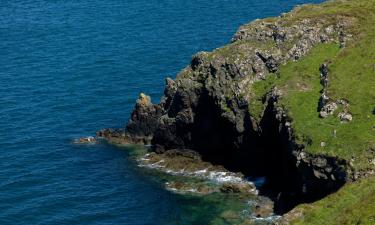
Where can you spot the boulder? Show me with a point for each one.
(85, 140)
(345, 117)
(238, 188)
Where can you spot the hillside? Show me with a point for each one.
(291, 98)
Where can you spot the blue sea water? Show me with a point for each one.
(71, 67)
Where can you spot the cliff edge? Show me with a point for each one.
(291, 98)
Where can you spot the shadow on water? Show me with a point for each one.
(192, 208)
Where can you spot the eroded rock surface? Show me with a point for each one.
(207, 108)
(85, 140)
(185, 162)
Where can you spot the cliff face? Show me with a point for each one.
(231, 105)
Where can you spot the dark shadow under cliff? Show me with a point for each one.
(266, 152)
(230, 137)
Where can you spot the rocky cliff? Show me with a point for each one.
(235, 105)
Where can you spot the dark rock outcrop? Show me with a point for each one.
(207, 109)
(144, 118)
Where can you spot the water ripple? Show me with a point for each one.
(69, 68)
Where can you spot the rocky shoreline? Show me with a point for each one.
(193, 176)
(189, 163)
(206, 117)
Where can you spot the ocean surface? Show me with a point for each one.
(71, 67)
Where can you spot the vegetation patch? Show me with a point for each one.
(353, 204)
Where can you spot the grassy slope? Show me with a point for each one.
(352, 77)
(353, 204)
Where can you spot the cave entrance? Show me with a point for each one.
(263, 152)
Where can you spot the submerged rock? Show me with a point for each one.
(188, 163)
(199, 188)
(85, 140)
(262, 208)
(208, 114)
(119, 137)
(243, 187)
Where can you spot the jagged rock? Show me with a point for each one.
(193, 188)
(262, 209)
(144, 100)
(323, 100)
(271, 63)
(320, 175)
(328, 109)
(319, 161)
(326, 106)
(342, 39)
(144, 118)
(324, 75)
(169, 92)
(120, 137)
(207, 107)
(345, 117)
(276, 93)
(85, 140)
(290, 216)
(344, 103)
(324, 69)
(238, 188)
(198, 60)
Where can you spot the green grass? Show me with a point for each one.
(301, 85)
(352, 77)
(353, 204)
(239, 49)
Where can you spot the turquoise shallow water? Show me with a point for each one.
(69, 68)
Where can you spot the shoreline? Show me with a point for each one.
(257, 106)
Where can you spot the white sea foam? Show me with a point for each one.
(271, 218)
(200, 172)
(225, 177)
(85, 140)
(189, 190)
(156, 165)
(216, 176)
